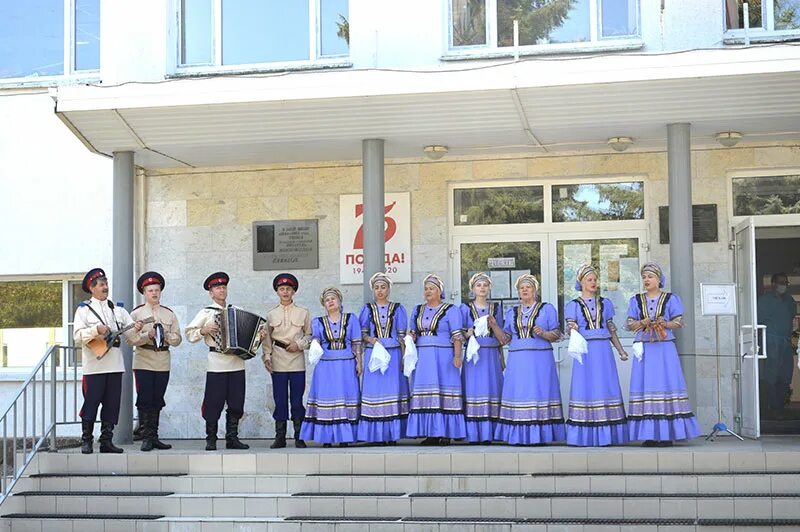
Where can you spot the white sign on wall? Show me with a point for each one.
(718, 299)
(397, 234)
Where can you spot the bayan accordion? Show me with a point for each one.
(238, 332)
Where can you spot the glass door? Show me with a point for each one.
(748, 328)
(503, 257)
(618, 259)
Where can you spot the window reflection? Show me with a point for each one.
(499, 205)
(598, 202)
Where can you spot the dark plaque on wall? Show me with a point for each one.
(285, 245)
(704, 223)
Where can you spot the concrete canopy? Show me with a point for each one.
(530, 106)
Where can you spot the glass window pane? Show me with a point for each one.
(87, 34)
(766, 195)
(787, 14)
(30, 320)
(31, 38)
(734, 14)
(598, 201)
(259, 31)
(617, 260)
(334, 27)
(504, 261)
(543, 21)
(197, 32)
(619, 18)
(499, 205)
(469, 22)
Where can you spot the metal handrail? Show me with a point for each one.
(36, 423)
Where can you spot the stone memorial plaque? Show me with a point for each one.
(704, 223)
(285, 245)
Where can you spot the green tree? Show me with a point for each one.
(537, 19)
(30, 304)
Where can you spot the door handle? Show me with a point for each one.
(761, 331)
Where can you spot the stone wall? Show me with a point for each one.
(199, 221)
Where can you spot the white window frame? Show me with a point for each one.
(767, 32)
(761, 220)
(548, 225)
(490, 49)
(70, 73)
(314, 45)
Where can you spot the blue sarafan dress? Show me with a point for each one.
(384, 396)
(483, 382)
(530, 408)
(332, 412)
(437, 408)
(596, 409)
(659, 406)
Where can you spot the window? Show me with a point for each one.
(34, 43)
(779, 16)
(252, 32)
(592, 202)
(499, 205)
(766, 195)
(489, 23)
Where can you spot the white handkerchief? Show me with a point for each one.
(379, 359)
(638, 350)
(410, 357)
(315, 352)
(577, 346)
(481, 326)
(472, 350)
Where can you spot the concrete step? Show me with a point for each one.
(461, 460)
(401, 505)
(684, 483)
(251, 524)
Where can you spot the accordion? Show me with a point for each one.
(238, 332)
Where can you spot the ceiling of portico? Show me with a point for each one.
(262, 121)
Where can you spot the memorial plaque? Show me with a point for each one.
(704, 223)
(285, 245)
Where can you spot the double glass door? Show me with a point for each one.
(553, 258)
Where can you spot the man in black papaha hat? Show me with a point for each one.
(97, 318)
(286, 336)
(151, 359)
(225, 377)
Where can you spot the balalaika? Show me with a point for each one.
(238, 332)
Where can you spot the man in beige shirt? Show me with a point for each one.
(225, 378)
(286, 336)
(151, 359)
(102, 375)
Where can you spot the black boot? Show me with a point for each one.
(280, 435)
(211, 435)
(106, 435)
(137, 432)
(232, 433)
(146, 421)
(299, 443)
(86, 437)
(158, 444)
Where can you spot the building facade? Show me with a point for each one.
(214, 124)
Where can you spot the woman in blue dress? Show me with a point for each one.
(482, 380)
(659, 411)
(384, 396)
(596, 409)
(530, 409)
(437, 408)
(332, 412)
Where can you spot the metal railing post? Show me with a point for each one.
(53, 407)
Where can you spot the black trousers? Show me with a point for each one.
(101, 389)
(150, 389)
(288, 386)
(221, 388)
